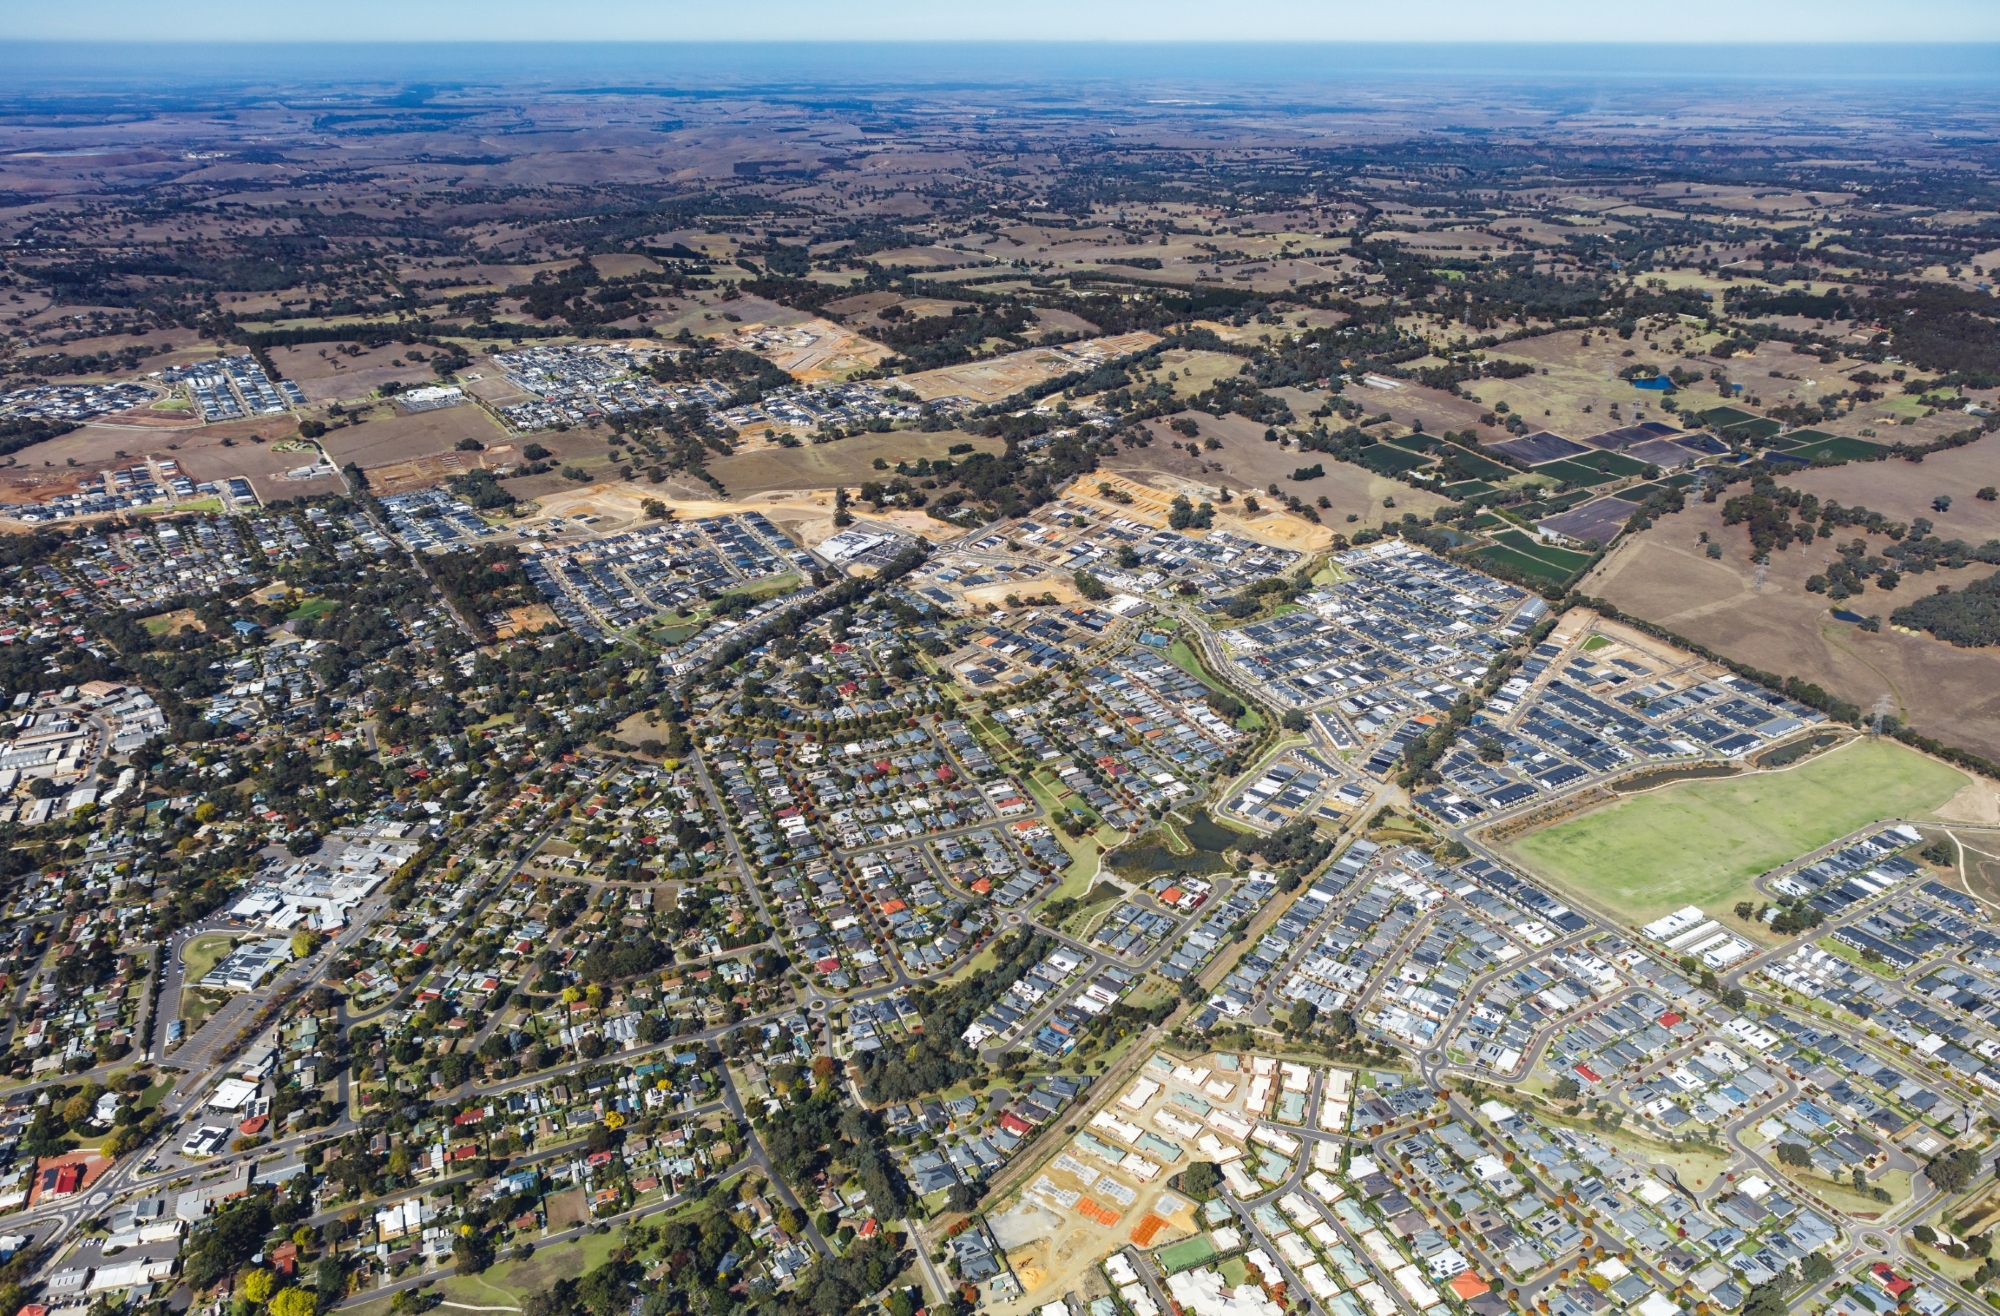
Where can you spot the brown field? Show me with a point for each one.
(1903, 490)
(389, 439)
(1246, 463)
(424, 472)
(55, 466)
(323, 374)
(618, 265)
(618, 505)
(824, 465)
(1194, 371)
(1150, 500)
(1664, 576)
(1003, 376)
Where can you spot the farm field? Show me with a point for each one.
(1904, 490)
(1701, 842)
(1665, 576)
(387, 439)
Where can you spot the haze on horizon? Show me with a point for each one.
(1716, 22)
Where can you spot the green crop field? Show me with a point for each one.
(1469, 489)
(1763, 427)
(1576, 472)
(1701, 842)
(1722, 417)
(1533, 567)
(1388, 459)
(1828, 448)
(1522, 542)
(1474, 464)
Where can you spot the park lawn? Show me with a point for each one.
(1183, 656)
(510, 1283)
(312, 609)
(1702, 842)
(204, 953)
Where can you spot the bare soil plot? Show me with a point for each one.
(845, 462)
(206, 453)
(389, 439)
(1665, 576)
(435, 469)
(813, 350)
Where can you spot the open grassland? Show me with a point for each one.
(1702, 842)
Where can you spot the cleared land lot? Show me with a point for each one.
(847, 462)
(1701, 842)
(1665, 576)
(1247, 464)
(325, 374)
(399, 438)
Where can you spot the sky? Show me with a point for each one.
(1699, 21)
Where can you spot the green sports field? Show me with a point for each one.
(1702, 842)
(1186, 1255)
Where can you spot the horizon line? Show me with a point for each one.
(1287, 43)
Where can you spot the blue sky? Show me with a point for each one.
(1016, 20)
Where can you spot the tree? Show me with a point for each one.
(1814, 1267)
(1767, 1299)
(1293, 720)
(1794, 1155)
(304, 942)
(1200, 1178)
(959, 1198)
(255, 1285)
(535, 452)
(1304, 1014)
(1952, 1170)
(1565, 1089)
(294, 1301)
(1090, 586)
